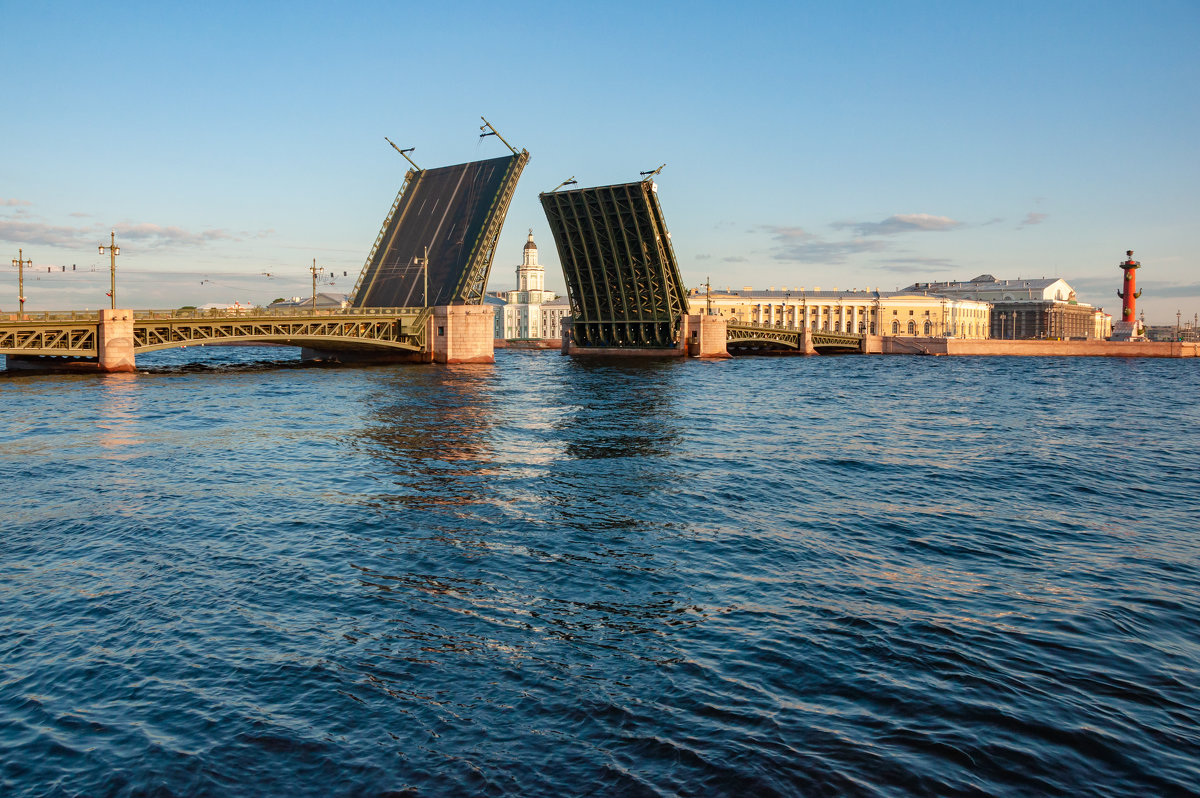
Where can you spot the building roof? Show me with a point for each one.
(802, 294)
(323, 301)
(988, 288)
(987, 281)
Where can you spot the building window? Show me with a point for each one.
(927, 326)
(895, 327)
(912, 326)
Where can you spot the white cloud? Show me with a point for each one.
(902, 223)
(797, 244)
(153, 236)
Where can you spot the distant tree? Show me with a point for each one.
(188, 307)
(277, 300)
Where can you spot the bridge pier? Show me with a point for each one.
(806, 342)
(705, 336)
(462, 334)
(114, 341)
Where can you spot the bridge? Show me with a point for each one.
(745, 338)
(104, 340)
(419, 297)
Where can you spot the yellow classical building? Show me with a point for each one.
(899, 313)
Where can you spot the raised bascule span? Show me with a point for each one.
(438, 241)
(623, 282)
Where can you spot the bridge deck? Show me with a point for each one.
(75, 333)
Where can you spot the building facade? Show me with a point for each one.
(1033, 308)
(898, 313)
(529, 312)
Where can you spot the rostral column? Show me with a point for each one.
(1127, 328)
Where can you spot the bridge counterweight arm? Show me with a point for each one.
(488, 126)
(403, 152)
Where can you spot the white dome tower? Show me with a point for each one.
(531, 276)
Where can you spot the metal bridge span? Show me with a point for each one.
(71, 339)
(745, 337)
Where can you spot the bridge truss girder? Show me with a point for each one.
(623, 282)
(70, 340)
(753, 334)
(339, 332)
(741, 334)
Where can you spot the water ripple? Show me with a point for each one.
(777, 576)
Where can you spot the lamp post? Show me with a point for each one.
(315, 271)
(113, 251)
(787, 301)
(21, 262)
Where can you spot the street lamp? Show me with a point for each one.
(113, 250)
(21, 262)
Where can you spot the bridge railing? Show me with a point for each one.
(288, 312)
(209, 313)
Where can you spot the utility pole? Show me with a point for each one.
(315, 271)
(707, 296)
(113, 250)
(20, 262)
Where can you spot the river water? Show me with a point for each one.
(765, 576)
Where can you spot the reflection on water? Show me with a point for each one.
(430, 432)
(619, 409)
(116, 415)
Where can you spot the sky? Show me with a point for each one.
(839, 144)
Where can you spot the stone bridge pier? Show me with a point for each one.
(114, 341)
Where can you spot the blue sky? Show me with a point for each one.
(842, 144)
